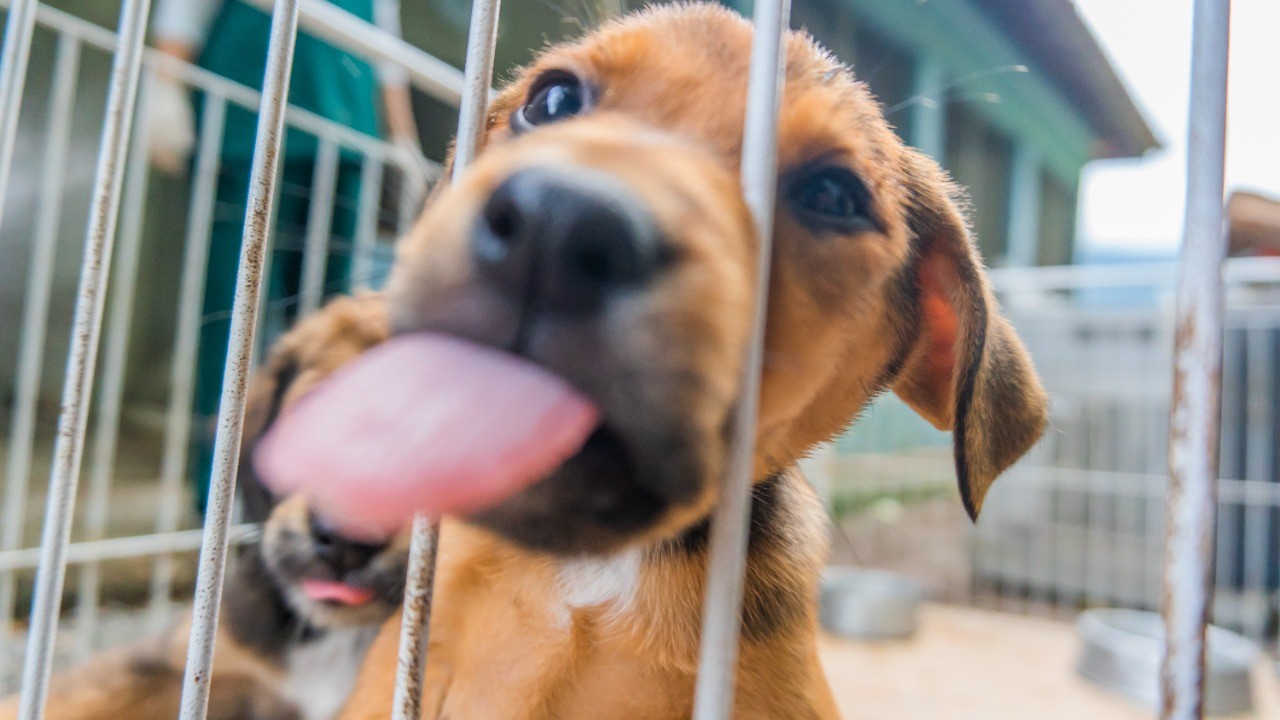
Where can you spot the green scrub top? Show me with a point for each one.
(326, 80)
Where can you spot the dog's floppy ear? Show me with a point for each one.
(968, 371)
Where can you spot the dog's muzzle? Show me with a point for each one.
(565, 242)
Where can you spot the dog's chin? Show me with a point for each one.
(329, 615)
(594, 503)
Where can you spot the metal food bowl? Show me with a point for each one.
(869, 604)
(1122, 649)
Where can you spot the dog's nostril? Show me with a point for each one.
(502, 215)
(591, 262)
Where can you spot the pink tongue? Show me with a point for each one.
(423, 423)
(336, 592)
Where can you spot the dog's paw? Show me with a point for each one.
(310, 352)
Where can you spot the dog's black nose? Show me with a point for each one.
(337, 551)
(566, 240)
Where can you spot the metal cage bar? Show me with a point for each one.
(86, 327)
(414, 629)
(35, 320)
(1193, 435)
(114, 364)
(182, 372)
(315, 256)
(367, 207)
(730, 525)
(19, 29)
(226, 453)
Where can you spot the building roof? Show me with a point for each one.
(1057, 41)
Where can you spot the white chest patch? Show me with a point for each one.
(322, 673)
(591, 582)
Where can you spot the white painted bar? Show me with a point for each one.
(315, 256)
(226, 453)
(122, 548)
(173, 462)
(328, 22)
(111, 394)
(19, 27)
(366, 240)
(86, 327)
(730, 524)
(1191, 509)
(35, 320)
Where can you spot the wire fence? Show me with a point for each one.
(1080, 522)
(114, 526)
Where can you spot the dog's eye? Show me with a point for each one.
(556, 96)
(831, 199)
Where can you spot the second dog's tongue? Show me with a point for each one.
(423, 423)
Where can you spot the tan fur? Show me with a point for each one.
(904, 307)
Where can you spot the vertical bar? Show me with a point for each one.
(18, 30)
(368, 205)
(107, 424)
(477, 78)
(1191, 503)
(35, 318)
(324, 183)
(721, 612)
(226, 452)
(272, 316)
(182, 371)
(415, 626)
(86, 327)
(412, 660)
(1259, 446)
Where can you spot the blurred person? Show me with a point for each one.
(230, 39)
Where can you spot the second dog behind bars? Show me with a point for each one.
(299, 612)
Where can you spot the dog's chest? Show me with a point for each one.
(320, 673)
(594, 582)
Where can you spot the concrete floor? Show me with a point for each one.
(967, 664)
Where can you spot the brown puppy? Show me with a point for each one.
(602, 234)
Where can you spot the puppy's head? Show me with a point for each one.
(602, 234)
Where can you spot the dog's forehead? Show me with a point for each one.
(684, 68)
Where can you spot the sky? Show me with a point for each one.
(1138, 204)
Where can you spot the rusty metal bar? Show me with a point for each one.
(721, 612)
(414, 628)
(114, 364)
(1191, 507)
(64, 476)
(226, 453)
(416, 623)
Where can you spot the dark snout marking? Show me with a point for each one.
(339, 552)
(564, 242)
